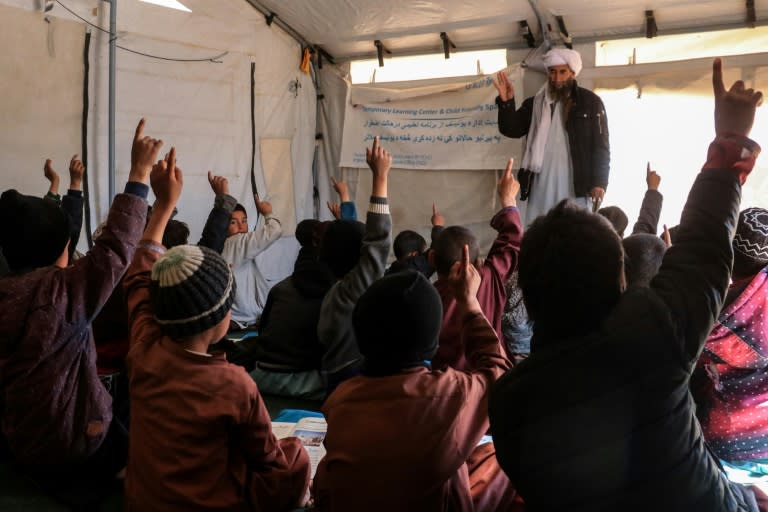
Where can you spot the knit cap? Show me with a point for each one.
(397, 323)
(192, 290)
(33, 231)
(340, 246)
(751, 239)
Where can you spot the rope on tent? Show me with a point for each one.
(84, 137)
(254, 189)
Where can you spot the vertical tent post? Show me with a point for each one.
(112, 81)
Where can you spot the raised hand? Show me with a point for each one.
(437, 218)
(167, 182)
(76, 173)
(380, 161)
(667, 237)
(508, 186)
(652, 179)
(219, 184)
(342, 189)
(335, 209)
(464, 281)
(504, 86)
(734, 108)
(263, 207)
(143, 154)
(52, 176)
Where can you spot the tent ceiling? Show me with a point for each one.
(347, 28)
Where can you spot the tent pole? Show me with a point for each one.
(545, 30)
(112, 80)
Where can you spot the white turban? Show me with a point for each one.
(560, 56)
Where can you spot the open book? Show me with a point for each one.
(311, 432)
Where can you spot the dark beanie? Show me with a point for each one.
(192, 290)
(397, 323)
(750, 244)
(305, 231)
(33, 231)
(340, 246)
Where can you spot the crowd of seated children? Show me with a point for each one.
(240, 250)
(734, 363)
(494, 271)
(200, 433)
(599, 417)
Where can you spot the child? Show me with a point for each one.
(200, 433)
(356, 254)
(402, 437)
(240, 251)
(410, 249)
(733, 414)
(57, 416)
(494, 272)
(287, 353)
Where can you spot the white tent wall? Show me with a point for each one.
(41, 98)
(202, 108)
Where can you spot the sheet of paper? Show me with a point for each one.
(311, 432)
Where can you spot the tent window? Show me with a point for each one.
(682, 46)
(672, 130)
(423, 67)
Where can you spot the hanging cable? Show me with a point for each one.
(84, 138)
(215, 59)
(254, 189)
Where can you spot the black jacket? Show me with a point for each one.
(587, 129)
(605, 422)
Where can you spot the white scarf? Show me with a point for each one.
(538, 132)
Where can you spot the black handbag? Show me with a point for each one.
(525, 177)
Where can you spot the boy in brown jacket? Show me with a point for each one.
(201, 437)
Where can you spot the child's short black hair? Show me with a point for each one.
(448, 246)
(176, 233)
(571, 271)
(643, 255)
(616, 217)
(407, 242)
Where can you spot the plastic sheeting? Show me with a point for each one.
(201, 108)
(348, 27)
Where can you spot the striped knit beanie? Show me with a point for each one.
(751, 240)
(192, 290)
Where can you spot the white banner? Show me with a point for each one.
(434, 127)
